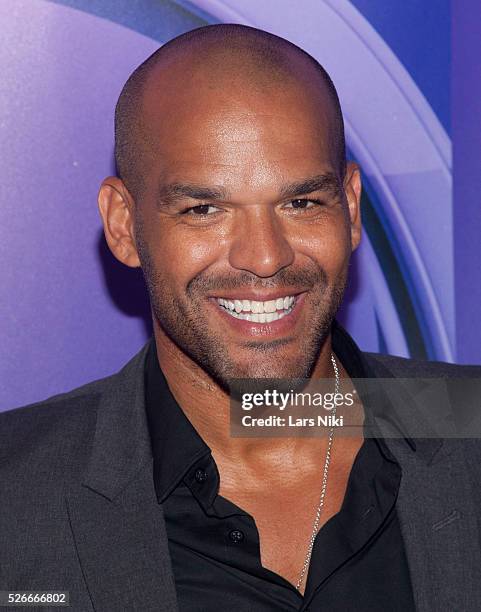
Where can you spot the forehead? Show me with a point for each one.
(233, 131)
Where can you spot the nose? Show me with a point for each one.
(259, 243)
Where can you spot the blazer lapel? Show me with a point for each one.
(117, 523)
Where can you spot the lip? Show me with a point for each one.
(272, 330)
(258, 297)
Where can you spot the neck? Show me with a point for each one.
(207, 407)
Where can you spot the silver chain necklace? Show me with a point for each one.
(324, 482)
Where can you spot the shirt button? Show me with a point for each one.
(200, 475)
(236, 536)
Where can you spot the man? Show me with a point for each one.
(234, 196)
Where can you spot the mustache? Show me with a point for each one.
(305, 277)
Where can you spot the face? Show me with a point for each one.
(244, 230)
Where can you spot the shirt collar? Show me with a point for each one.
(177, 446)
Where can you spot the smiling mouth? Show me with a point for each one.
(258, 312)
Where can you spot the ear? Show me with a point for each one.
(116, 207)
(353, 189)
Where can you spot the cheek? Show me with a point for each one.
(181, 255)
(328, 244)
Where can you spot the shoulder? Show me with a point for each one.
(57, 433)
(53, 432)
(401, 367)
(463, 386)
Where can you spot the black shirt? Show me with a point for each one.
(358, 561)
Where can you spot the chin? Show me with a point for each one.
(272, 368)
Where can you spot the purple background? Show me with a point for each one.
(71, 313)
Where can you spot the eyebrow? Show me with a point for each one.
(322, 182)
(177, 191)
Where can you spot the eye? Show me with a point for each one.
(201, 210)
(303, 203)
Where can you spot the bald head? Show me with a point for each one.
(209, 61)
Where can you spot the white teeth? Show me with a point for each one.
(270, 306)
(264, 317)
(258, 312)
(257, 307)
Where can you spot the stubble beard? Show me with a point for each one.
(184, 324)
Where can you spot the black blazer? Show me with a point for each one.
(78, 510)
